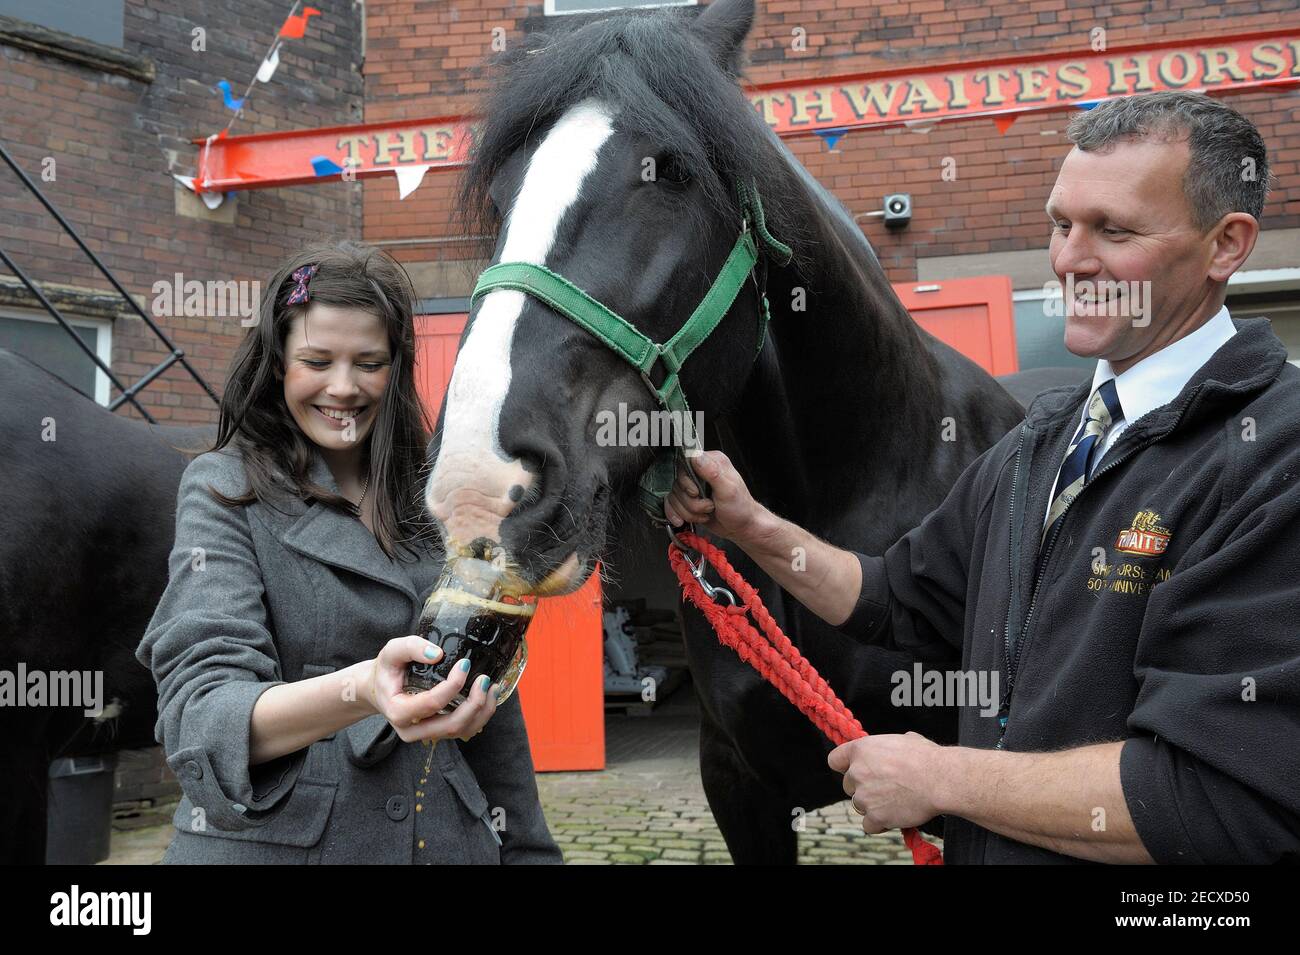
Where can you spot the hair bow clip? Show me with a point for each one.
(302, 276)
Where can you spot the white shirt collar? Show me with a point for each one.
(1157, 379)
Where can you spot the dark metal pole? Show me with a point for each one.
(171, 347)
(49, 307)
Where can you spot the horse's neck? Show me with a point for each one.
(845, 394)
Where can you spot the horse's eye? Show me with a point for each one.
(674, 170)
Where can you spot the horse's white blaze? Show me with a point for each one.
(469, 489)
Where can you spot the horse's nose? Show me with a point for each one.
(539, 506)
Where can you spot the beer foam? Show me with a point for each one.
(452, 596)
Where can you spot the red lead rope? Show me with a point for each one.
(776, 659)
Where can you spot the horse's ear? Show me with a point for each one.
(722, 27)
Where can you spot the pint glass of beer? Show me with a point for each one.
(477, 612)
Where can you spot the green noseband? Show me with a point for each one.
(655, 362)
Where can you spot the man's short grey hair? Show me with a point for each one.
(1228, 168)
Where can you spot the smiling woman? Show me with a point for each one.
(338, 367)
(281, 643)
(329, 370)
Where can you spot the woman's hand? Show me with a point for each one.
(731, 513)
(415, 715)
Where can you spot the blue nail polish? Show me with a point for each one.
(464, 666)
(484, 683)
(431, 652)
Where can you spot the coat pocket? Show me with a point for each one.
(461, 779)
(300, 823)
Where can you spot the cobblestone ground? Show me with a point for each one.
(647, 807)
(637, 816)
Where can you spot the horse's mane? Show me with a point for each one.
(663, 83)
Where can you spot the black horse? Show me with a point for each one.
(86, 523)
(837, 425)
(851, 421)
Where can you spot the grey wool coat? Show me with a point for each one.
(260, 595)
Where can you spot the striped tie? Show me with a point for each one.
(1103, 411)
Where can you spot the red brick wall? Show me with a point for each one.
(116, 142)
(426, 59)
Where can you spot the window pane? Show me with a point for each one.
(98, 20)
(1282, 309)
(49, 346)
(1040, 336)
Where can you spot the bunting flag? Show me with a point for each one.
(294, 28)
(269, 65)
(325, 166)
(229, 97)
(1087, 104)
(408, 179)
(921, 126)
(296, 23)
(1003, 122)
(832, 136)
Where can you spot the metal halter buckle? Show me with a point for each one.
(697, 570)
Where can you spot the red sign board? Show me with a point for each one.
(1000, 88)
(1018, 85)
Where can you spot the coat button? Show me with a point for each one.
(396, 808)
(193, 770)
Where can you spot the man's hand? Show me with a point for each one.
(731, 513)
(890, 779)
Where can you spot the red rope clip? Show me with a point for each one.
(771, 653)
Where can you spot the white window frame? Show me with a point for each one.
(103, 341)
(550, 11)
(1265, 280)
(1250, 281)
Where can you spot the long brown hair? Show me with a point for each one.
(255, 418)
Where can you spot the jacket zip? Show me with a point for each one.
(1013, 660)
(1005, 704)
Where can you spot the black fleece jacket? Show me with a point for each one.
(1164, 612)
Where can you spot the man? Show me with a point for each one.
(1124, 563)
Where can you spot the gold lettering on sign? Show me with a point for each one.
(1186, 68)
(805, 101)
(437, 142)
(1031, 84)
(1139, 70)
(880, 96)
(353, 145)
(1220, 61)
(919, 90)
(957, 90)
(993, 92)
(1073, 77)
(1268, 54)
(405, 139)
(765, 102)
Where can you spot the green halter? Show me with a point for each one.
(654, 361)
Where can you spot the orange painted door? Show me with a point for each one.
(972, 315)
(563, 687)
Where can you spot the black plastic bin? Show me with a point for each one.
(80, 824)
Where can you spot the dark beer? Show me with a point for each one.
(474, 613)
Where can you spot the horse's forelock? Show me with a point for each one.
(663, 83)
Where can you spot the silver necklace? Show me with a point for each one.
(364, 488)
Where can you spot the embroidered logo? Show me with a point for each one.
(1145, 538)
